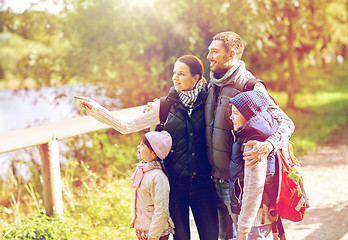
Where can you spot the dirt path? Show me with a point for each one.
(325, 172)
(326, 181)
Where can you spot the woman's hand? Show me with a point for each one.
(85, 101)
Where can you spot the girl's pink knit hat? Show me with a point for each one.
(161, 143)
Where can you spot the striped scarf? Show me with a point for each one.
(188, 98)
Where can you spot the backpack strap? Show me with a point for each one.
(280, 227)
(250, 85)
(163, 112)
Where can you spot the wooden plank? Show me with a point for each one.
(28, 137)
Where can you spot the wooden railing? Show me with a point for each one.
(47, 138)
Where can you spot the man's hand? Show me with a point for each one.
(259, 151)
(148, 106)
(242, 236)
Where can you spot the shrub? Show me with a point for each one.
(37, 227)
(102, 214)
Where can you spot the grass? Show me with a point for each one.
(320, 115)
(97, 198)
(326, 113)
(99, 214)
(107, 216)
(323, 107)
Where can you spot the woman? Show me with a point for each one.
(187, 164)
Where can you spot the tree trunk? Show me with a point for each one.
(345, 53)
(292, 86)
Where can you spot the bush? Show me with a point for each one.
(37, 227)
(102, 214)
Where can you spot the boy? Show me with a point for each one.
(252, 191)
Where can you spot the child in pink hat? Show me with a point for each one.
(151, 197)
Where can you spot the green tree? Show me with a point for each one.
(118, 44)
(292, 35)
(130, 46)
(38, 45)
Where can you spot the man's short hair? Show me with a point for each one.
(231, 41)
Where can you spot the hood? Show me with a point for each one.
(260, 127)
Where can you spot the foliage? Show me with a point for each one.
(321, 120)
(102, 214)
(117, 46)
(96, 192)
(97, 202)
(34, 44)
(19, 198)
(322, 106)
(37, 26)
(130, 46)
(36, 227)
(31, 63)
(107, 152)
(294, 36)
(96, 185)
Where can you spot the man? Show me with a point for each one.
(228, 76)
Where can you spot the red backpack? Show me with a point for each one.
(292, 200)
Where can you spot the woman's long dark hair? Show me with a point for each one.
(147, 143)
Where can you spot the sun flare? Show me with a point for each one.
(133, 2)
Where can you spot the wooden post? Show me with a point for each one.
(52, 186)
(46, 179)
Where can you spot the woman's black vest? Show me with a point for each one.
(187, 159)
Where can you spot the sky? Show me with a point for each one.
(19, 6)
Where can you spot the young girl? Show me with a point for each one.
(151, 196)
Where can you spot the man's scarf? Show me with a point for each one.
(223, 80)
